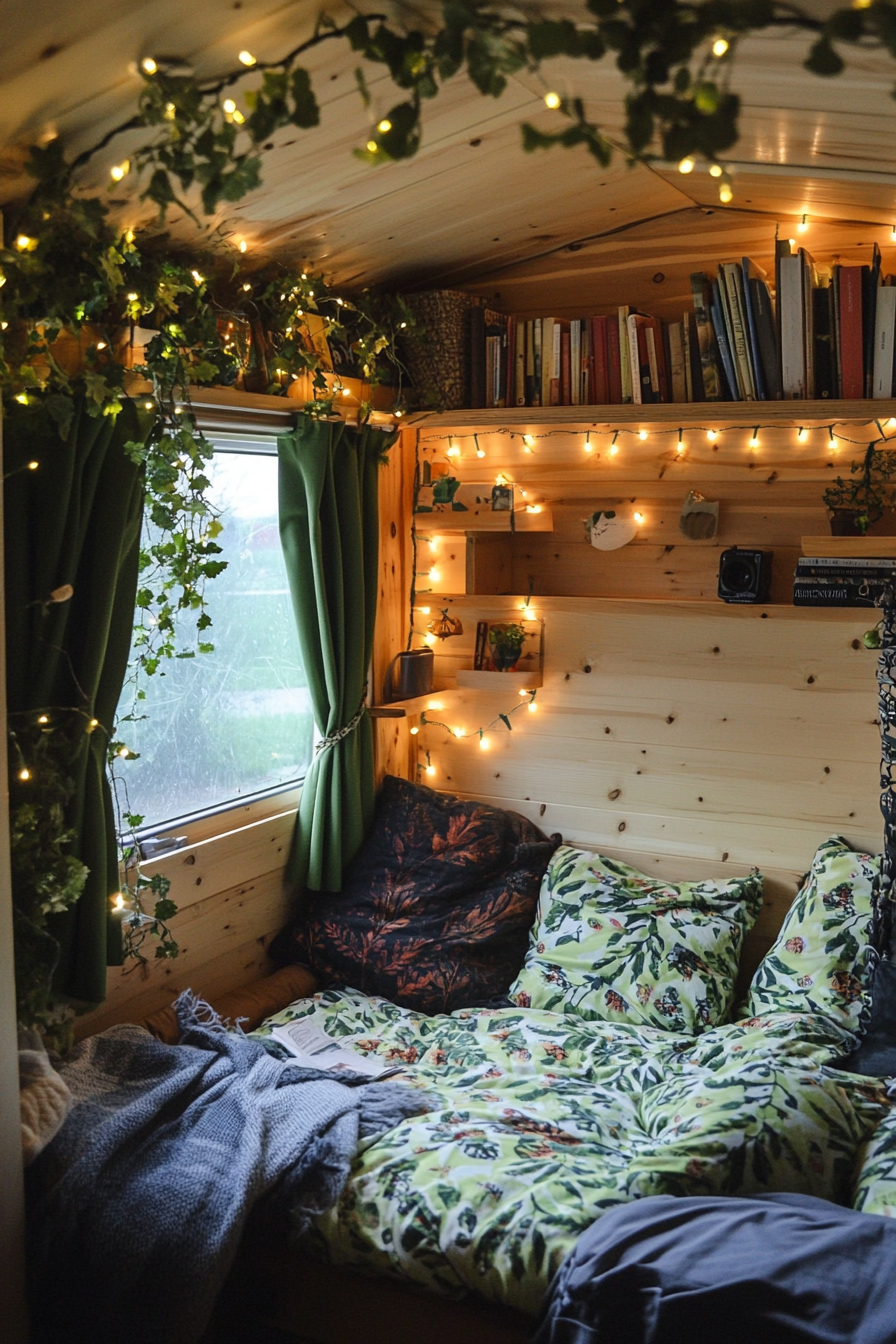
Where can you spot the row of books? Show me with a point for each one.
(824, 582)
(588, 361)
(833, 335)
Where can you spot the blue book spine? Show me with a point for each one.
(758, 376)
(718, 321)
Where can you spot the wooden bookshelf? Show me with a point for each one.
(702, 414)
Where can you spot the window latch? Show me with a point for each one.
(156, 846)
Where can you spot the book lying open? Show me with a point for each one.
(314, 1049)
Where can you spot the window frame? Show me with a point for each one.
(238, 423)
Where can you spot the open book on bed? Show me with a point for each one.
(314, 1049)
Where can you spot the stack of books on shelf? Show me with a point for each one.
(839, 581)
(830, 334)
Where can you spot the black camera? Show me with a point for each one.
(745, 576)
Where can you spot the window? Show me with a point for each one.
(222, 726)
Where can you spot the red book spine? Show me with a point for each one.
(851, 360)
(600, 390)
(564, 366)
(614, 380)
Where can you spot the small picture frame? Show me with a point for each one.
(509, 646)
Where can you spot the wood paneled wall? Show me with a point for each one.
(688, 737)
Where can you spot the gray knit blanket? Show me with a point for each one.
(137, 1206)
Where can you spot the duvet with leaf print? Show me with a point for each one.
(542, 1121)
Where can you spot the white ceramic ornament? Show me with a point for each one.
(608, 531)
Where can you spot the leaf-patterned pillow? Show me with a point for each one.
(818, 961)
(610, 942)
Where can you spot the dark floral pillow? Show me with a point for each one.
(436, 910)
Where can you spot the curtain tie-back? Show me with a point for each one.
(339, 733)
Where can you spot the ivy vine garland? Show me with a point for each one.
(73, 286)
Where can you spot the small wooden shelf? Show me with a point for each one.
(712, 414)
(490, 604)
(485, 520)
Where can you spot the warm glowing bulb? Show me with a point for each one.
(414, 732)
(453, 450)
(532, 707)
(22, 398)
(802, 226)
(33, 466)
(552, 100)
(24, 774)
(229, 106)
(170, 111)
(832, 442)
(715, 170)
(588, 445)
(891, 422)
(243, 245)
(792, 242)
(424, 610)
(686, 165)
(247, 58)
(754, 441)
(148, 65)
(123, 753)
(712, 435)
(434, 575)
(430, 769)
(528, 441)
(429, 639)
(435, 704)
(119, 170)
(642, 434)
(480, 452)
(24, 243)
(893, 234)
(384, 126)
(458, 732)
(802, 435)
(638, 517)
(372, 147)
(133, 296)
(679, 447)
(484, 743)
(94, 723)
(118, 901)
(43, 719)
(720, 46)
(197, 277)
(613, 450)
(247, 287)
(101, 345)
(725, 193)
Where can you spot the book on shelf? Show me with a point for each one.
(842, 592)
(822, 334)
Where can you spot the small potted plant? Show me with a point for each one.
(856, 504)
(505, 642)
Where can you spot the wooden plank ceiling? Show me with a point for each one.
(550, 232)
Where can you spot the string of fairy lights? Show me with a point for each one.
(597, 442)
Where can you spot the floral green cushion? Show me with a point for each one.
(612, 943)
(818, 962)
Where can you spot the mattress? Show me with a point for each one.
(540, 1122)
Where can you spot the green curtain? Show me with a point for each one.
(329, 528)
(75, 520)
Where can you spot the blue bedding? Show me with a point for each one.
(767, 1269)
